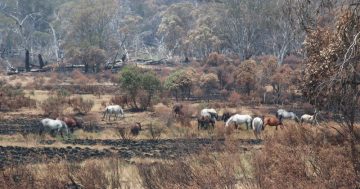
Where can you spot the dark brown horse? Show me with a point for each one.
(177, 109)
(72, 123)
(226, 116)
(272, 121)
(204, 122)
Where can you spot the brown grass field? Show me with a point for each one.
(168, 153)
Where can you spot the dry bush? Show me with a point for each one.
(125, 133)
(79, 78)
(305, 158)
(107, 173)
(203, 171)
(215, 59)
(234, 99)
(164, 113)
(13, 97)
(121, 100)
(54, 106)
(155, 130)
(81, 105)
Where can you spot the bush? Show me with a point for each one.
(80, 105)
(54, 106)
(155, 131)
(121, 100)
(309, 157)
(13, 98)
(234, 99)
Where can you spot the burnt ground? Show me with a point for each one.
(81, 149)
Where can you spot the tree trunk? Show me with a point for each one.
(27, 60)
(41, 61)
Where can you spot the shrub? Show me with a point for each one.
(13, 97)
(155, 131)
(54, 106)
(125, 133)
(309, 157)
(234, 98)
(80, 105)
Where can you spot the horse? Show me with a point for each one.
(239, 119)
(113, 109)
(177, 109)
(281, 114)
(272, 121)
(205, 120)
(135, 129)
(212, 112)
(257, 126)
(226, 116)
(307, 118)
(72, 123)
(53, 124)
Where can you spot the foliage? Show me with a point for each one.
(134, 80)
(181, 82)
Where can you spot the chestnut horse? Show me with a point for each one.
(71, 122)
(272, 121)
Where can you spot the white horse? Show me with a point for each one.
(283, 114)
(307, 119)
(239, 119)
(54, 124)
(212, 112)
(113, 109)
(257, 126)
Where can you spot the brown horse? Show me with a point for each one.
(204, 122)
(71, 122)
(177, 109)
(272, 121)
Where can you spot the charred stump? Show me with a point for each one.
(27, 60)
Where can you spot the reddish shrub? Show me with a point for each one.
(80, 105)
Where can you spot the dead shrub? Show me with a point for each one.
(203, 171)
(234, 98)
(121, 100)
(125, 133)
(307, 157)
(81, 105)
(54, 106)
(17, 177)
(13, 97)
(164, 113)
(215, 59)
(155, 130)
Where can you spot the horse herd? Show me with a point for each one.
(64, 124)
(208, 117)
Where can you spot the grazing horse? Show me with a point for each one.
(113, 109)
(257, 126)
(204, 121)
(72, 123)
(239, 119)
(283, 114)
(212, 112)
(226, 116)
(307, 118)
(52, 125)
(177, 109)
(135, 129)
(272, 121)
